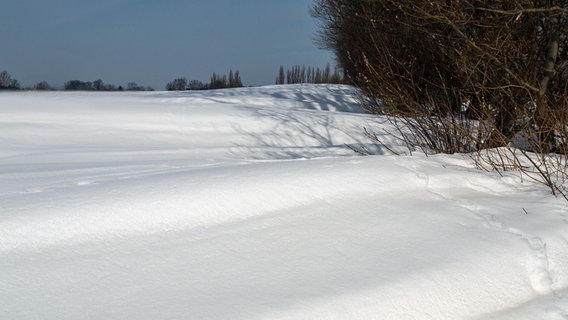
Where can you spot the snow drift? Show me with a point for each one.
(249, 204)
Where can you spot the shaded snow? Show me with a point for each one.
(248, 204)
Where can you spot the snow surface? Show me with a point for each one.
(249, 204)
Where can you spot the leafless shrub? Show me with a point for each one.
(482, 77)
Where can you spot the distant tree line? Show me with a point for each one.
(8, 83)
(99, 85)
(303, 74)
(297, 74)
(233, 80)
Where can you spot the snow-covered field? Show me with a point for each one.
(247, 204)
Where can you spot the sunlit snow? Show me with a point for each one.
(250, 204)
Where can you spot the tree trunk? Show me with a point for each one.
(544, 115)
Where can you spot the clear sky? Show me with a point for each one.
(152, 42)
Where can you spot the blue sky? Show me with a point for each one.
(153, 42)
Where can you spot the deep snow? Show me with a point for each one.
(248, 204)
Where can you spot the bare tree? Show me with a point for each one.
(98, 85)
(43, 86)
(231, 79)
(178, 84)
(237, 81)
(281, 76)
(6, 81)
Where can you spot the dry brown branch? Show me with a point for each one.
(462, 76)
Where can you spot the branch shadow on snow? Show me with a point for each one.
(306, 125)
(339, 99)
